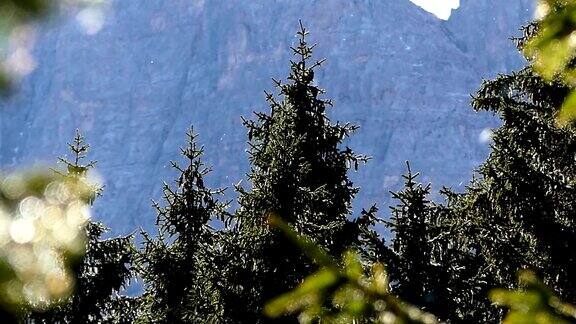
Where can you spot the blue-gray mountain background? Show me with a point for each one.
(156, 67)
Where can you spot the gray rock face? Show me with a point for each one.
(157, 67)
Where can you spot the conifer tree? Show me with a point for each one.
(178, 265)
(298, 173)
(103, 271)
(518, 214)
(522, 211)
(428, 264)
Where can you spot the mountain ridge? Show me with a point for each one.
(156, 68)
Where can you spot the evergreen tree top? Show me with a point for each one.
(191, 204)
(299, 173)
(76, 170)
(79, 149)
(104, 270)
(301, 108)
(177, 264)
(295, 149)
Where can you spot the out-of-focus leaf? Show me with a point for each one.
(311, 249)
(18, 15)
(553, 46)
(307, 294)
(32, 8)
(533, 303)
(380, 283)
(341, 292)
(552, 50)
(42, 216)
(4, 82)
(352, 266)
(568, 111)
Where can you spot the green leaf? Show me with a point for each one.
(352, 266)
(568, 111)
(307, 293)
(314, 252)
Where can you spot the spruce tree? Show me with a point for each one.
(298, 173)
(104, 270)
(178, 265)
(523, 212)
(518, 214)
(428, 264)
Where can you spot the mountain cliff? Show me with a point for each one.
(157, 67)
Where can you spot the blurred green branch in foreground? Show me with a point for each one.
(17, 18)
(42, 216)
(552, 48)
(341, 292)
(13, 15)
(533, 303)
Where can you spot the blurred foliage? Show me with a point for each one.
(552, 48)
(103, 270)
(41, 238)
(341, 292)
(533, 303)
(16, 18)
(14, 14)
(14, 11)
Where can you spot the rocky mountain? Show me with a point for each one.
(157, 67)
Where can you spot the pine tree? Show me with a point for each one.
(177, 265)
(298, 173)
(103, 271)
